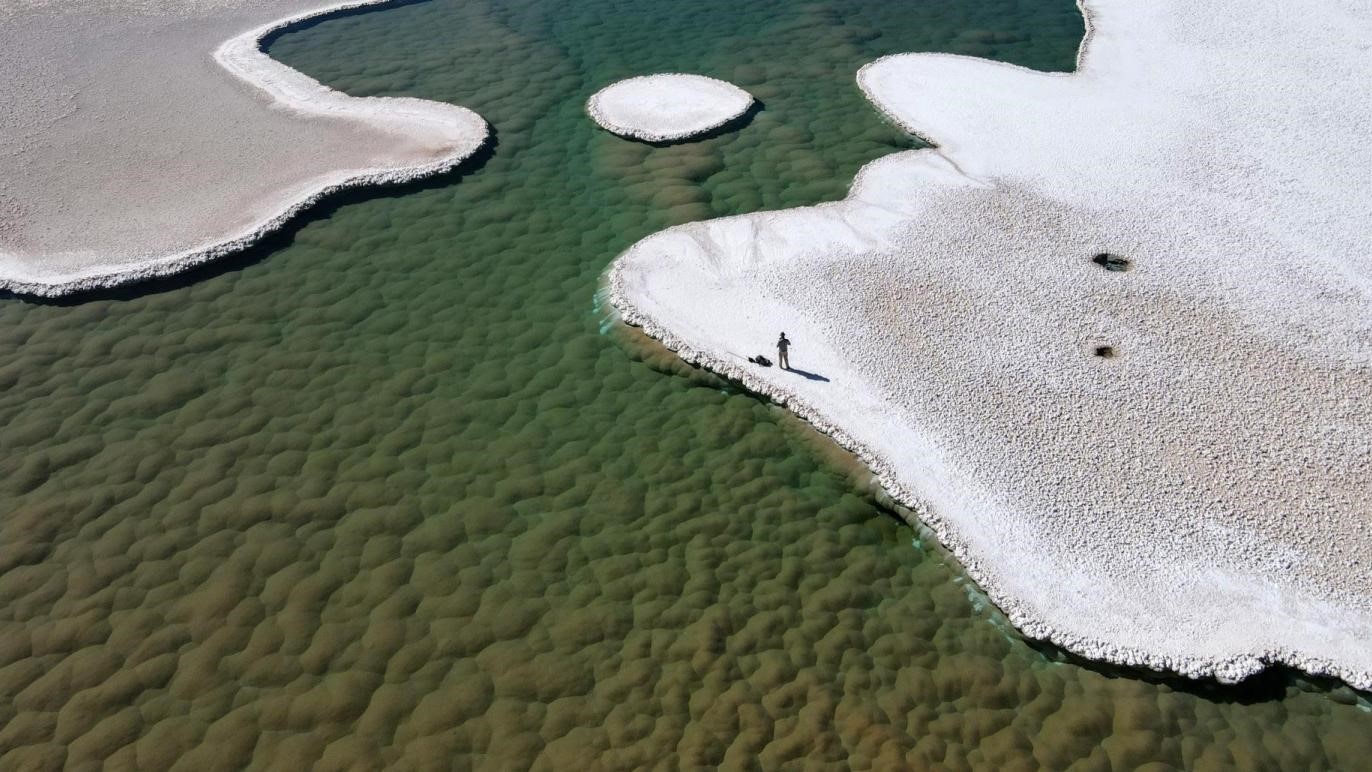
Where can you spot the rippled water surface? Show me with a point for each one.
(392, 491)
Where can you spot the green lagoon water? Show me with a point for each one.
(391, 490)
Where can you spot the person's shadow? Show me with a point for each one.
(804, 374)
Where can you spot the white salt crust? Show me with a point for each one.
(426, 138)
(667, 106)
(1200, 503)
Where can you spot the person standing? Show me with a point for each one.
(783, 352)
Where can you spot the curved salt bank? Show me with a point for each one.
(141, 137)
(1199, 502)
(660, 108)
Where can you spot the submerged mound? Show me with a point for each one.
(146, 137)
(665, 107)
(1167, 462)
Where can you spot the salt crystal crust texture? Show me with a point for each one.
(1200, 501)
(142, 138)
(667, 107)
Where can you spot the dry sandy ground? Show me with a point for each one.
(1168, 465)
(138, 138)
(667, 106)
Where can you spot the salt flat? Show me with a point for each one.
(667, 106)
(1168, 465)
(139, 137)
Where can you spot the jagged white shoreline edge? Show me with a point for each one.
(1225, 669)
(244, 58)
(593, 109)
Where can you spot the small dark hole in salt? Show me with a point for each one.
(1111, 262)
(1105, 352)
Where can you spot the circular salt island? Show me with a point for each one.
(665, 107)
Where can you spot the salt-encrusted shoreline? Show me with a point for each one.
(667, 107)
(1241, 577)
(1228, 670)
(447, 133)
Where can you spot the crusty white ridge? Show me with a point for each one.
(1168, 466)
(667, 106)
(344, 142)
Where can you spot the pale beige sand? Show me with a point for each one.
(1201, 501)
(138, 138)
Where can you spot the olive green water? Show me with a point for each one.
(384, 492)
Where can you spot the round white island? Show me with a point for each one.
(667, 107)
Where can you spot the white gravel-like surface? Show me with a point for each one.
(1201, 501)
(667, 107)
(141, 137)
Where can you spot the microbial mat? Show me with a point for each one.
(391, 489)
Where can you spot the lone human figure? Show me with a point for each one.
(783, 357)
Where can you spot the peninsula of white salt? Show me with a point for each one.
(667, 107)
(140, 137)
(1112, 338)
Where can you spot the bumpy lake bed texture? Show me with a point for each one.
(392, 489)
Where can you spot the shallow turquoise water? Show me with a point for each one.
(385, 491)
